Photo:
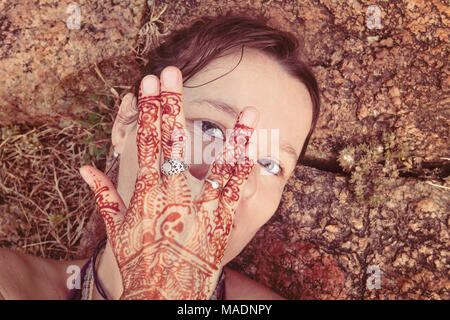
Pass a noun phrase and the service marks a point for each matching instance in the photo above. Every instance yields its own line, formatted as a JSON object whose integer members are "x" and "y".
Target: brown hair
{"x": 191, "y": 49}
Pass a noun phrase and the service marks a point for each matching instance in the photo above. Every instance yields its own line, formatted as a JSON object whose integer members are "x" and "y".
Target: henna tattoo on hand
{"x": 170, "y": 243}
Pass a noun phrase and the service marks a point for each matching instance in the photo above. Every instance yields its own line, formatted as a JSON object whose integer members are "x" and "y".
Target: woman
{"x": 222, "y": 73}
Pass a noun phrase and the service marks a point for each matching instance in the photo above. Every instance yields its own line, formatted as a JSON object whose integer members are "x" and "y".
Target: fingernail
{"x": 248, "y": 117}
{"x": 86, "y": 176}
{"x": 150, "y": 85}
{"x": 170, "y": 78}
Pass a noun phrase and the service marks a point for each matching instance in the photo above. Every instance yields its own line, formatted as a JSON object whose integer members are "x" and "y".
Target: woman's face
{"x": 284, "y": 107}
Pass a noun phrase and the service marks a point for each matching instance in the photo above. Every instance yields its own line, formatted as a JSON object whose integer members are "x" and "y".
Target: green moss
{"x": 55, "y": 218}
{"x": 374, "y": 167}
{"x": 98, "y": 121}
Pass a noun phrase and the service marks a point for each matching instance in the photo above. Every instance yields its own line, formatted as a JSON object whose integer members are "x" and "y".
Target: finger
{"x": 148, "y": 135}
{"x": 127, "y": 109}
{"x": 110, "y": 204}
{"x": 231, "y": 193}
{"x": 228, "y": 200}
{"x": 233, "y": 153}
{"x": 172, "y": 116}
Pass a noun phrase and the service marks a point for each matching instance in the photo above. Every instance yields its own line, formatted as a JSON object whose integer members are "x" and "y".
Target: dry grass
{"x": 44, "y": 202}
{"x": 150, "y": 32}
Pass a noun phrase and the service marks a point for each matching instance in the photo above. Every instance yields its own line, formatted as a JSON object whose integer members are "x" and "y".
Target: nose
{"x": 251, "y": 185}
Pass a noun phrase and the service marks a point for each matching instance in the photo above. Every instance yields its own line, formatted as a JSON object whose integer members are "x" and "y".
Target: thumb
{"x": 110, "y": 204}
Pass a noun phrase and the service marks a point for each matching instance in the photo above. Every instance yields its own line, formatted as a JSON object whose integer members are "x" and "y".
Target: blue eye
{"x": 212, "y": 130}
{"x": 270, "y": 166}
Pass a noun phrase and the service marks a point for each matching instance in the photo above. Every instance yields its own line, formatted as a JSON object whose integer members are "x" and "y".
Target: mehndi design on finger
{"x": 226, "y": 163}
{"x": 147, "y": 136}
{"x": 172, "y": 129}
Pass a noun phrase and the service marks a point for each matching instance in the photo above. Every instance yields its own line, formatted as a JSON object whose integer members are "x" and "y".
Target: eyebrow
{"x": 219, "y": 105}
{"x": 232, "y": 111}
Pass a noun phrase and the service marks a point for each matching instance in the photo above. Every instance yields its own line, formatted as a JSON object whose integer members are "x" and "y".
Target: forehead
{"x": 259, "y": 81}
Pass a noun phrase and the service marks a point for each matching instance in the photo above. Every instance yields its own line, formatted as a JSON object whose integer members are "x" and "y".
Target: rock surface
{"x": 43, "y": 43}
{"x": 322, "y": 244}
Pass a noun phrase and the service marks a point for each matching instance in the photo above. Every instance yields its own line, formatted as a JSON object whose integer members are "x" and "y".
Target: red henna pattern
{"x": 170, "y": 244}
{"x": 172, "y": 129}
{"x": 108, "y": 209}
{"x": 232, "y": 155}
{"x": 147, "y": 137}
{"x": 228, "y": 163}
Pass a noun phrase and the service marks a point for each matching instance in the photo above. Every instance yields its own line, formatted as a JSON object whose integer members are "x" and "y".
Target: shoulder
{"x": 21, "y": 273}
{"x": 24, "y": 276}
{"x": 240, "y": 287}
{"x": 14, "y": 271}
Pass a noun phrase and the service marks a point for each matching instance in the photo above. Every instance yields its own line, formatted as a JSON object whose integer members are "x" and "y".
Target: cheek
{"x": 251, "y": 215}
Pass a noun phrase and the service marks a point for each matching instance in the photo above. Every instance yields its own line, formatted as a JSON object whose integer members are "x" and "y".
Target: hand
{"x": 170, "y": 242}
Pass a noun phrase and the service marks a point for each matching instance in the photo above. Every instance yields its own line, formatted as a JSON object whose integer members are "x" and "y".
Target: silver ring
{"x": 172, "y": 167}
{"x": 214, "y": 184}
